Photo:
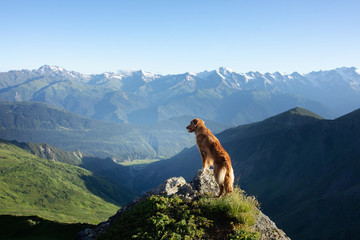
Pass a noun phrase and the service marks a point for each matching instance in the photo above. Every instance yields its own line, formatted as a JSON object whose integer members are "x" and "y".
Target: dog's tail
{"x": 229, "y": 179}
{"x": 225, "y": 178}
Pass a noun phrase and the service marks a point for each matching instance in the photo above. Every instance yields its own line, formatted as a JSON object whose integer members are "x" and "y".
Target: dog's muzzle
{"x": 190, "y": 129}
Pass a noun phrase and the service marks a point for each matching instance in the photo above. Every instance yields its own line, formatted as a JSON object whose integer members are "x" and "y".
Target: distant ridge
{"x": 294, "y": 114}
{"x": 304, "y": 112}
{"x": 38, "y": 115}
{"x": 293, "y": 117}
{"x": 355, "y": 115}
{"x": 42, "y": 123}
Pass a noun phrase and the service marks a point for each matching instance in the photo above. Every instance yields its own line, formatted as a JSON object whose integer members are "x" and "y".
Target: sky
{"x": 173, "y": 37}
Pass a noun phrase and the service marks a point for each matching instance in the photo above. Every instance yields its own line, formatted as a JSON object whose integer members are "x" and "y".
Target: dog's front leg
{"x": 204, "y": 160}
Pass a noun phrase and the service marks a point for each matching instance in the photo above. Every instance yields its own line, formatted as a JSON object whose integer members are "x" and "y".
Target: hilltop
{"x": 180, "y": 210}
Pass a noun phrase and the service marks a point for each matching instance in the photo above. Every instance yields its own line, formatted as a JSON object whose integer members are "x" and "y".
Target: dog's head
{"x": 195, "y": 123}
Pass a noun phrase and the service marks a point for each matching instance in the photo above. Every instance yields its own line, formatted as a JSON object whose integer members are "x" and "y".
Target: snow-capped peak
{"x": 347, "y": 71}
{"x": 111, "y": 75}
{"x": 225, "y": 70}
{"x": 282, "y": 74}
{"x": 146, "y": 76}
{"x": 48, "y": 68}
{"x": 220, "y": 74}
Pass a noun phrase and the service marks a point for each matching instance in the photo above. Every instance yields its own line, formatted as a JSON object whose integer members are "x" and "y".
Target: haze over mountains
{"x": 39, "y": 122}
{"x": 220, "y": 95}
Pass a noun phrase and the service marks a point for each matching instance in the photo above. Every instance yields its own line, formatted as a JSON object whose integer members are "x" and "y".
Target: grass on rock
{"x": 160, "y": 217}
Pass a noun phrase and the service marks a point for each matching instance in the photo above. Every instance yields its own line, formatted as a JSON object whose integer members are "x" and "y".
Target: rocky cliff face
{"x": 202, "y": 183}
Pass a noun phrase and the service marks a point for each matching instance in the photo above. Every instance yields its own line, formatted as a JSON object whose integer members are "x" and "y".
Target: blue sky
{"x": 169, "y": 37}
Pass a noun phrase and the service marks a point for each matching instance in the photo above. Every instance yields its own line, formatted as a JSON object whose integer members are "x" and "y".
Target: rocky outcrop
{"x": 202, "y": 183}
{"x": 268, "y": 229}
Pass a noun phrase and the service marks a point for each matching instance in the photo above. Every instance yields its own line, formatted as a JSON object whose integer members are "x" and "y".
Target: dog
{"x": 213, "y": 154}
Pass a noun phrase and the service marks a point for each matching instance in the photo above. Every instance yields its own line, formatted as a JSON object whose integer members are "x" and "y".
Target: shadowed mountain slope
{"x": 302, "y": 168}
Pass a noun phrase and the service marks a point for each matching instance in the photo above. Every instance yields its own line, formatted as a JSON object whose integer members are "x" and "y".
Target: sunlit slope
{"x": 30, "y": 185}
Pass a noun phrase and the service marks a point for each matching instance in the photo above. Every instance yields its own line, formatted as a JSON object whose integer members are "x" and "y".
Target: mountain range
{"x": 220, "y": 95}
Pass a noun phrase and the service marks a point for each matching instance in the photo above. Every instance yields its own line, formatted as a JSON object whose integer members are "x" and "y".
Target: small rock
{"x": 169, "y": 187}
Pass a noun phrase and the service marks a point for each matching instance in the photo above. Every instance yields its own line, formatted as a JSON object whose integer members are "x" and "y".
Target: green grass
{"x": 36, "y": 228}
{"x": 159, "y": 217}
{"x": 30, "y": 185}
{"x": 236, "y": 207}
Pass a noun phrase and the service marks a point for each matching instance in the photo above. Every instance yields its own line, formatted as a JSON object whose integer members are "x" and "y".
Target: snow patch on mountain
{"x": 47, "y": 69}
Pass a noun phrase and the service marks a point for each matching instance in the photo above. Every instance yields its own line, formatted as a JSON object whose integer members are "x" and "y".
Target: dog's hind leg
{"x": 229, "y": 180}
{"x": 221, "y": 191}
{"x": 219, "y": 174}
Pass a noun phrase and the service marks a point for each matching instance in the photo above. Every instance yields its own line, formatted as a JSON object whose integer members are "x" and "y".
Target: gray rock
{"x": 169, "y": 187}
{"x": 268, "y": 229}
{"x": 204, "y": 182}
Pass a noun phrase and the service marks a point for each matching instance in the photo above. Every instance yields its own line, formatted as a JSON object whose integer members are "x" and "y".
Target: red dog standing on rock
{"x": 213, "y": 154}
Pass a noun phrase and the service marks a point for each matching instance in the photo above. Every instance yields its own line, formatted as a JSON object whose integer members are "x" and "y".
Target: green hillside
{"x": 303, "y": 170}
{"x": 30, "y": 185}
{"x": 47, "y": 151}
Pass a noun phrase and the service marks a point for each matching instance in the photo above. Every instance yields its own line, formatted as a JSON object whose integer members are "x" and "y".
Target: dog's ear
{"x": 195, "y": 121}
